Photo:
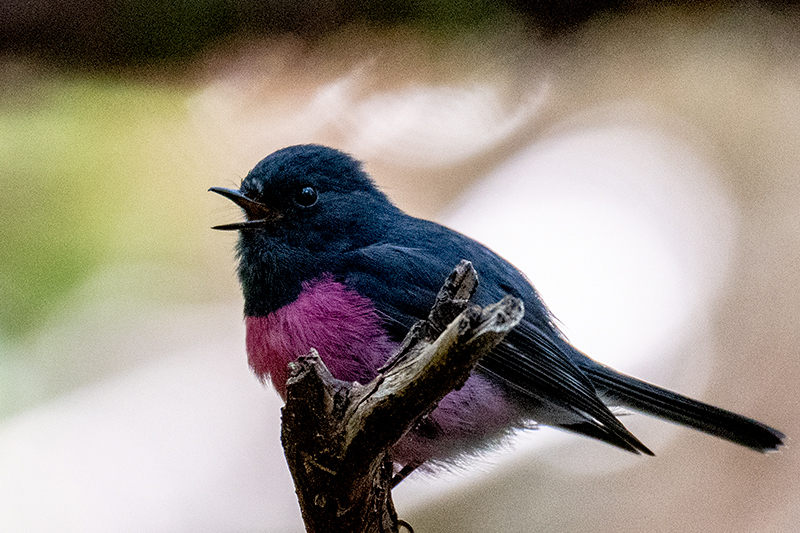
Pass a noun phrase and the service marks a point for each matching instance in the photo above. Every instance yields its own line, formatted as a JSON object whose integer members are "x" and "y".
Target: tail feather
{"x": 641, "y": 396}
{"x": 632, "y": 445}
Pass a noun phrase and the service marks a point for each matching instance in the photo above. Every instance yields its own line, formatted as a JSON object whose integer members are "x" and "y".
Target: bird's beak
{"x": 257, "y": 213}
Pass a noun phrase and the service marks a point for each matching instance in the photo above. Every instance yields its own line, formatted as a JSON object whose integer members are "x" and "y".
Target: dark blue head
{"x": 305, "y": 206}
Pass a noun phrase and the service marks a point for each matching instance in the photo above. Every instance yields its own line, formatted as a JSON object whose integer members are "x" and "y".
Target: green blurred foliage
{"x": 108, "y": 34}
{"x": 71, "y": 153}
{"x": 172, "y": 29}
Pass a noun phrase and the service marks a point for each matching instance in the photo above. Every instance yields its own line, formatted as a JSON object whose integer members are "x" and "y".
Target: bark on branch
{"x": 336, "y": 435}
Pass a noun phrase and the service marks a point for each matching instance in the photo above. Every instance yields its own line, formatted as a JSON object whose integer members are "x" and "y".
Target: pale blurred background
{"x": 640, "y": 162}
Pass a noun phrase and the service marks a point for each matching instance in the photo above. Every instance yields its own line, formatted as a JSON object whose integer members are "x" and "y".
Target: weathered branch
{"x": 337, "y": 435}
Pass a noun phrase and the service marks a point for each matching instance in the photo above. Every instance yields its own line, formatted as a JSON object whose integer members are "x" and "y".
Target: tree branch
{"x": 336, "y": 435}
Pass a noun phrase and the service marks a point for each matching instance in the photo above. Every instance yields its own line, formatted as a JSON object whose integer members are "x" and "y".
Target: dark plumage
{"x": 327, "y": 261}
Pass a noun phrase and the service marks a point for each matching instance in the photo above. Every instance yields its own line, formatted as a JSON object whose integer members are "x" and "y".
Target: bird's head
{"x": 304, "y": 207}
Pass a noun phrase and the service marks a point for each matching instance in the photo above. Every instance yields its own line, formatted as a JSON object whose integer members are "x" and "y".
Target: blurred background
{"x": 639, "y": 161}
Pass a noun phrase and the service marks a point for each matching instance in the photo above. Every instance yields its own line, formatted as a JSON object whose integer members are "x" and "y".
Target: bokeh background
{"x": 639, "y": 161}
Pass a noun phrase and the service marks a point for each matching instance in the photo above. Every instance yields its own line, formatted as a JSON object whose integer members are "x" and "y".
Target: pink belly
{"x": 345, "y": 329}
{"x": 340, "y": 324}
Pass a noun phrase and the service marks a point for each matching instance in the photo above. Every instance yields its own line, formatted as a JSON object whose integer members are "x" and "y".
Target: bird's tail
{"x": 632, "y": 393}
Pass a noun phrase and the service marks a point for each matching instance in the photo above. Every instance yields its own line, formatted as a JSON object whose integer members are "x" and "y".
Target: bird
{"x": 327, "y": 261}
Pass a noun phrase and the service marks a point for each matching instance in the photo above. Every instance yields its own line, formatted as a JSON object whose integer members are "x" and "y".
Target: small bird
{"x": 327, "y": 261}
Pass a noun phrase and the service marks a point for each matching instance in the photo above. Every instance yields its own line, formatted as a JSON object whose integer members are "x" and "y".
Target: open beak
{"x": 257, "y": 213}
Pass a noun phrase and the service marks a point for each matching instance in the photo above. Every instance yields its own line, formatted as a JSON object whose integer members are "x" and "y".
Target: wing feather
{"x": 534, "y": 364}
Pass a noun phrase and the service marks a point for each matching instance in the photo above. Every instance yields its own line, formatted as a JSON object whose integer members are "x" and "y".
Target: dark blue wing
{"x": 534, "y": 365}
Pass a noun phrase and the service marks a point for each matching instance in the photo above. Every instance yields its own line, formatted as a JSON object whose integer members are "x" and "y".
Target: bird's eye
{"x": 306, "y": 197}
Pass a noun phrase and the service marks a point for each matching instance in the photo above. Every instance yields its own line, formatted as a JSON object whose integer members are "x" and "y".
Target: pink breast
{"x": 348, "y": 334}
{"x": 340, "y": 324}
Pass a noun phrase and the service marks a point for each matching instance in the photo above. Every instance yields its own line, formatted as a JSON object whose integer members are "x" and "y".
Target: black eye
{"x": 306, "y": 197}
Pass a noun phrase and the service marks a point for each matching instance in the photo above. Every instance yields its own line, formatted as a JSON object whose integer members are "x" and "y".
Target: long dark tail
{"x": 635, "y": 394}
